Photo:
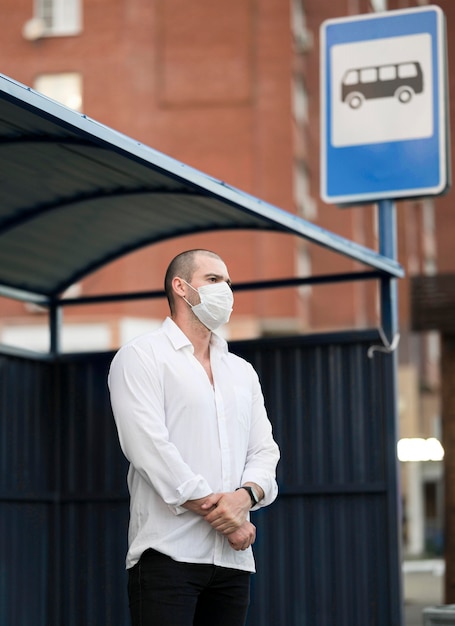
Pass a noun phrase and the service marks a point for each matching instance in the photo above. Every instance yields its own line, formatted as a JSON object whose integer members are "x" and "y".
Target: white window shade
{"x": 61, "y": 17}
{"x": 66, "y": 88}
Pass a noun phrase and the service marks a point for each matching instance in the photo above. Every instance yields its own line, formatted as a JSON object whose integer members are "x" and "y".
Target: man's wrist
{"x": 254, "y": 496}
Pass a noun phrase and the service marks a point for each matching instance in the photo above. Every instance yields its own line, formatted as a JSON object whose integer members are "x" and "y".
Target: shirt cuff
{"x": 266, "y": 482}
{"x": 192, "y": 489}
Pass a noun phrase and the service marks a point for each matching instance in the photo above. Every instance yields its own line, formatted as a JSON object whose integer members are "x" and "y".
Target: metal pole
{"x": 388, "y": 248}
{"x": 55, "y": 325}
{"x": 389, "y": 322}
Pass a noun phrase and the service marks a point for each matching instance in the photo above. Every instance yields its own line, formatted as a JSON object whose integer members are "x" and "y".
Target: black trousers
{"x": 164, "y": 592}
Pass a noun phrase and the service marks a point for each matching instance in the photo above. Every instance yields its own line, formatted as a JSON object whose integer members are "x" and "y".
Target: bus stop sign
{"x": 384, "y": 108}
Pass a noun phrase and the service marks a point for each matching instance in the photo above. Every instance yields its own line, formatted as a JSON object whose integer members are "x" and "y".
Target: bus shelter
{"x": 76, "y": 195}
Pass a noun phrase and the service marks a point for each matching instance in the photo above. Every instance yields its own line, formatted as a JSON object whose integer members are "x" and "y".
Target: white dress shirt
{"x": 185, "y": 439}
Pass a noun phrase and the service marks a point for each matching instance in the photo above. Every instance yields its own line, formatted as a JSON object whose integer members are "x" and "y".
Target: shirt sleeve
{"x": 138, "y": 407}
{"x": 263, "y": 452}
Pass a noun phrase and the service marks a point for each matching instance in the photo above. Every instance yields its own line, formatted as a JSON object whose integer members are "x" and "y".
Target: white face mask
{"x": 215, "y": 307}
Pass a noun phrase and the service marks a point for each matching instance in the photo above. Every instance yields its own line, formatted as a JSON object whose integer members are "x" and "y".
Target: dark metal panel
{"x": 322, "y": 560}
{"x": 89, "y": 448}
{"x": 63, "y": 496}
{"x": 326, "y": 551}
{"x": 26, "y": 436}
{"x": 92, "y": 563}
{"x": 26, "y": 490}
{"x": 94, "y": 500}
{"x": 25, "y": 562}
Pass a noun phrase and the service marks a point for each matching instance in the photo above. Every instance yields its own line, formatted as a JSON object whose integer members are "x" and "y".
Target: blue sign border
{"x": 396, "y": 169}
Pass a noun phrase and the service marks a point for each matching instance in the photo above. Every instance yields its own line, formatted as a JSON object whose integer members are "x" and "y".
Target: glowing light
{"x": 419, "y": 449}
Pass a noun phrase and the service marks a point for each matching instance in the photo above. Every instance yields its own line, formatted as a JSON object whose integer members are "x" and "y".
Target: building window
{"x": 60, "y": 17}
{"x": 307, "y": 207}
{"x": 379, "y": 5}
{"x": 300, "y": 101}
{"x": 303, "y": 38}
{"x": 65, "y": 88}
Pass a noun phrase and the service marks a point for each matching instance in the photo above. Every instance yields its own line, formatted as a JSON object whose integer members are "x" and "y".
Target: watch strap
{"x": 254, "y": 498}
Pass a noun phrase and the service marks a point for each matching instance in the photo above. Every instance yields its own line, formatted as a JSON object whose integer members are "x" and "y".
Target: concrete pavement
{"x": 422, "y": 587}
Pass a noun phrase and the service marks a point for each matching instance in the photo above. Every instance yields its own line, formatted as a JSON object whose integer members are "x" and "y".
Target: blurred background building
{"x": 232, "y": 89}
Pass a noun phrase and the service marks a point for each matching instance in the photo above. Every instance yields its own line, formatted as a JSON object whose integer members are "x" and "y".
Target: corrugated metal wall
{"x": 26, "y": 490}
{"x": 326, "y": 550}
{"x": 330, "y": 551}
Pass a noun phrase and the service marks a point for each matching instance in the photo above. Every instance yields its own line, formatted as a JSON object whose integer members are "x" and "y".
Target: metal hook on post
{"x": 386, "y": 346}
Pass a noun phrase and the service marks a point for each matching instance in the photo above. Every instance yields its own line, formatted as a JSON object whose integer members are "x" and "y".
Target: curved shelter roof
{"x": 75, "y": 194}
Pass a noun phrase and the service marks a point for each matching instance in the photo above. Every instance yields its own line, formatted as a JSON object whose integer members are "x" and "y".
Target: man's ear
{"x": 178, "y": 286}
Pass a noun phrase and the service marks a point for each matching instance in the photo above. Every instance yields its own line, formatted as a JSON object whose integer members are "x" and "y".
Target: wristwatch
{"x": 253, "y": 494}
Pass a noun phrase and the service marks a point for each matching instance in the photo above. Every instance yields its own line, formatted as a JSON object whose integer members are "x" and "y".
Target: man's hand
{"x": 243, "y": 537}
{"x": 227, "y": 512}
{"x": 196, "y": 505}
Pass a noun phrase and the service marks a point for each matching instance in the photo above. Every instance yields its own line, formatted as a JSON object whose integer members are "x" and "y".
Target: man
{"x": 191, "y": 421}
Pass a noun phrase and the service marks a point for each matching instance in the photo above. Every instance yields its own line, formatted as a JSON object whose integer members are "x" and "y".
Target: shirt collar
{"x": 179, "y": 340}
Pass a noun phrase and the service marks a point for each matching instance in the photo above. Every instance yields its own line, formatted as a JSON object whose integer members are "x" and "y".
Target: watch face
{"x": 254, "y": 495}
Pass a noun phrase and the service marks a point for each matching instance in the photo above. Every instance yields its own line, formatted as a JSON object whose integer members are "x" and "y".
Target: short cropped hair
{"x": 183, "y": 265}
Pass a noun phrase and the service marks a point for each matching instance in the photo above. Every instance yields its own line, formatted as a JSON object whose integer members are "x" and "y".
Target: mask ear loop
{"x": 189, "y": 303}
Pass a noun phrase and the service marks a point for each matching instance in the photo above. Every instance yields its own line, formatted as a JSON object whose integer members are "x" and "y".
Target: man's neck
{"x": 197, "y": 333}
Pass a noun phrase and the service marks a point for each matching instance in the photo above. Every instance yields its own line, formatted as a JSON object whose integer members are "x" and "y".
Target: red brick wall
{"x": 210, "y": 88}
{"x": 213, "y": 89}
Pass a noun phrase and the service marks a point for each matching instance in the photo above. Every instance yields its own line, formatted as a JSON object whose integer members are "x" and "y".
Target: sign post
{"x": 384, "y": 137}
